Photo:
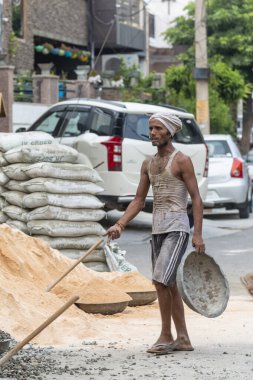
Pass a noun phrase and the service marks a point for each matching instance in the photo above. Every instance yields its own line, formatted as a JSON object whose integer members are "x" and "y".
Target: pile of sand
{"x": 129, "y": 282}
{"x": 27, "y": 267}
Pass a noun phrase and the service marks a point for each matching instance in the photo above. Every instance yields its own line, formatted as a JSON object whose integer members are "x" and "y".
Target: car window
{"x": 218, "y": 148}
{"x": 75, "y": 123}
{"x": 50, "y": 123}
{"x": 137, "y": 127}
{"x": 190, "y": 133}
{"x": 101, "y": 122}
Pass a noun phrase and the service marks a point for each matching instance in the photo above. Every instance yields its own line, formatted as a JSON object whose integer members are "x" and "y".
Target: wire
{"x": 122, "y": 17}
{"x": 137, "y": 12}
{"x": 104, "y": 42}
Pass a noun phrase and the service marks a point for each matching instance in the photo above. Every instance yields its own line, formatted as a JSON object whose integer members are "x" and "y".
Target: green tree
{"x": 141, "y": 88}
{"x": 181, "y": 93}
{"x": 230, "y": 40}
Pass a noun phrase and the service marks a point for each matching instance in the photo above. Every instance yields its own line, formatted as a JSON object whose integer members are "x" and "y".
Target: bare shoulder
{"x": 146, "y": 164}
{"x": 182, "y": 166}
{"x": 183, "y": 159}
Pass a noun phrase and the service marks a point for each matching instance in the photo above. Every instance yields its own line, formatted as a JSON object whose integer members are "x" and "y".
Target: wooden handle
{"x": 75, "y": 264}
{"x": 18, "y": 346}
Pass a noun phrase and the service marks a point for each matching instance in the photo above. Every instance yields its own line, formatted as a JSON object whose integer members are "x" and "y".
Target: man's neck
{"x": 165, "y": 150}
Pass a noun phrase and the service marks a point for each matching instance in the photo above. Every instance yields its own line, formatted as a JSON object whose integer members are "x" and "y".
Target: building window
{"x": 128, "y": 12}
{"x": 17, "y": 18}
{"x": 151, "y": 19}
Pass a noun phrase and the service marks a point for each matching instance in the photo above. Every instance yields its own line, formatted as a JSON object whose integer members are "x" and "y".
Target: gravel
{"x": 35, "y": 363}
{"x": 4, "y": 335}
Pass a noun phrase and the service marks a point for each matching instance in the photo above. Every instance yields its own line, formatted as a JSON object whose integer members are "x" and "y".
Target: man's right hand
{"x": 114, "y": 232}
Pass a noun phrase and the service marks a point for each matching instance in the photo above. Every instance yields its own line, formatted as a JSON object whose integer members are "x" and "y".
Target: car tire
{"x": 250, "y": 203}
{"x": 245, "y": 210}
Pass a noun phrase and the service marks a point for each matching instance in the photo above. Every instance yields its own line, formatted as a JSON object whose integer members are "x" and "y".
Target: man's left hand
{"x": 198, "y": 244}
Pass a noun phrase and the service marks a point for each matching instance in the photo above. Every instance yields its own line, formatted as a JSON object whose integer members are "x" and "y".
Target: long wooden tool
{"x": 74, "y": 265}
{"x": 15, "y": 349}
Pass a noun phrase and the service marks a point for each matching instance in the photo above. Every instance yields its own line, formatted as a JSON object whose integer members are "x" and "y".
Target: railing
{"x": 62, "y": 90}
{"x": 23, "y": 90}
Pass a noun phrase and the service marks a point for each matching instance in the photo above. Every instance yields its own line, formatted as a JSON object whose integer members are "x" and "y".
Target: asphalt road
{"x": 228, "y": 239}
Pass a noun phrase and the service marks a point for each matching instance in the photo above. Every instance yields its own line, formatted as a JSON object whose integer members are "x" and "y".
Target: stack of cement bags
{"x": 50, "y": 196}
{"x": 8, "y": 141}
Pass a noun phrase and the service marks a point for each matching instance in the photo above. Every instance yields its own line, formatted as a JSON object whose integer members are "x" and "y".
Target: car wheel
{"x": 250, "y": 203}
{"x": 244, "y": 211}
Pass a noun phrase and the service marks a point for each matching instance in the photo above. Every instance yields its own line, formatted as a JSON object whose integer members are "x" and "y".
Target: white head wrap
{"x": 170, "y": 121}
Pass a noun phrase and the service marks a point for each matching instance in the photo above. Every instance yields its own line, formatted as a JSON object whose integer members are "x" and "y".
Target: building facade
{"x": 36, "y": 32}
{"x": 120, "y": 27}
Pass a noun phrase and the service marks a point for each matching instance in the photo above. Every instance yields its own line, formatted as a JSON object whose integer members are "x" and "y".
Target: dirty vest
{"x": 170, "y": 201}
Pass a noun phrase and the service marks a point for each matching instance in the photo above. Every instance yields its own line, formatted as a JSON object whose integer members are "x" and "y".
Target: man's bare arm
{"x": 134, "y": 207}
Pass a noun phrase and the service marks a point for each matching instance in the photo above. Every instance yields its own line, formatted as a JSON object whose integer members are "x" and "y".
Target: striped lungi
{"x": 167, "y": 252}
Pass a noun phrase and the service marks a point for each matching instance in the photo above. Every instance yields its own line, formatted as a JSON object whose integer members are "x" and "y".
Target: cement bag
{"x": 63, "y": 170}
{"x": 12, "y": 140}
{"x": 119, "y": 257}
{"x": 16, "y": 171}
{"x": 97, "y": 266}
{"x": 63, "y": 213}
{"x": 15, "y": 185}
{"x": 14, "y": 197}
{"x": 39, "y": 153}
{"x": 97, "y": 255}
{"x": 3, "y": 202}
{"x": 61, "y": 186}
{"x": 83, "y": 243}
{"x": 3, "y": 177}
{"x": 38, "y": 199}
{"x": 2, "y": 189}
{"x": 3, "y": 161}
{"x": 3, "y": 217}
{"x": 56, "y": 228}
{"x": 18, "y": 225}
{"x": 16, "y": 213}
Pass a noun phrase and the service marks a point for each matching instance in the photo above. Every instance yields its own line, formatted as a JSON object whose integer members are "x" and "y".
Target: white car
{"x": 115, "y": 138}
{"x": 229, "y": 184}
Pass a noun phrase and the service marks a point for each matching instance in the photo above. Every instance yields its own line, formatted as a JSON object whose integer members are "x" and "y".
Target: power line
{"x": 121, "y": 16}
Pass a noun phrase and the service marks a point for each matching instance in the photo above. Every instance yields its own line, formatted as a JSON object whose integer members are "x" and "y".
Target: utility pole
{"x": 201, "y": 71}
{"x": 1, "y": 26}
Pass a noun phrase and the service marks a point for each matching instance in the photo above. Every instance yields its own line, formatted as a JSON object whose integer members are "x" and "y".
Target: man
{"x": 172, "y": 177}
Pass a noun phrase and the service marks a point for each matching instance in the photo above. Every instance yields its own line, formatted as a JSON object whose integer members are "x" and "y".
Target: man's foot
{"x": 161, "y": 349}
{"x": 163, "y": 343}
{"x": 182, "y": 345}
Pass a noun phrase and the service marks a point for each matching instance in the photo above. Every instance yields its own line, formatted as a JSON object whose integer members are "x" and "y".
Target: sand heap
{"x": 129, "y": 282}
{"x": 27, "y": 266}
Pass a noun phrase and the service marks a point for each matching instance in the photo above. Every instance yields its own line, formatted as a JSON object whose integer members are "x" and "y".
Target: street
{"x": 228, "y": 239}
{"x": 222, "y": 345}
{"x": 114, "y": 346}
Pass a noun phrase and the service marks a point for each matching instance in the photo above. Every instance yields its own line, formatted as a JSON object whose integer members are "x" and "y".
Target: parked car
{"x": 229, "y": 184}
{"x": 115, "y": 138}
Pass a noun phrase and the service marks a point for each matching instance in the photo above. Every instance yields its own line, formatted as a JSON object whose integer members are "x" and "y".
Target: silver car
{"x": 229, "y": 184}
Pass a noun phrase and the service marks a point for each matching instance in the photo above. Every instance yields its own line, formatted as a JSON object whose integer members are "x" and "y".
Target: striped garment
{"x": 167, "y": 252}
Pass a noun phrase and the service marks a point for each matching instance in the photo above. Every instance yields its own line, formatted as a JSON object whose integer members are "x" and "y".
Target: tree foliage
{"x": 181, "y": 93}
{"x": 229, "y": 32}
{"x": 230, "y": 47}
